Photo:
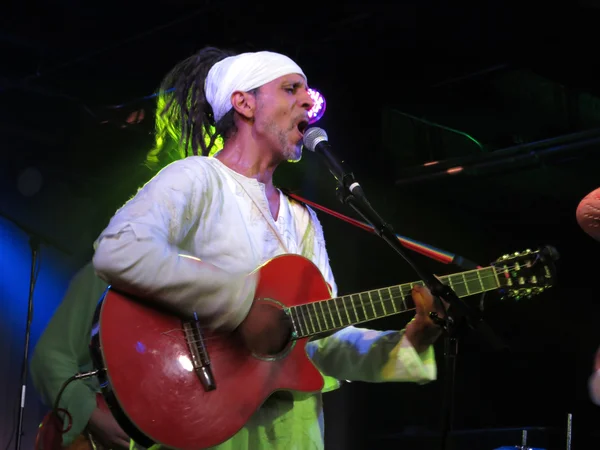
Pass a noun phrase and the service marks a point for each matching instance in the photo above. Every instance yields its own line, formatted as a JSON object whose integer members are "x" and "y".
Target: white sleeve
{"x": 139, "y": 253}
{"x": 362, "y": 354}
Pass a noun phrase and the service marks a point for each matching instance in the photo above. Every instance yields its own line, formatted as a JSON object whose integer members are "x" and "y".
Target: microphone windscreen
{"x": 588, "y": 214}
{"x": 312, "y": 137}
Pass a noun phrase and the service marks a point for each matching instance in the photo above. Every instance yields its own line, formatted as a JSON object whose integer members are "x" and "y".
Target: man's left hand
{"x": 422, "y": 331}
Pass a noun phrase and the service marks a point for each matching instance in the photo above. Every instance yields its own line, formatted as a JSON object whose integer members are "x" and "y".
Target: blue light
{"x": 53, "y": 277}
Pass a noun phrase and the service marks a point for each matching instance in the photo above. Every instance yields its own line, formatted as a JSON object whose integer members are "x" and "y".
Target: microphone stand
{"x": 34, "y": 243}
{"x": 349, "y": 192}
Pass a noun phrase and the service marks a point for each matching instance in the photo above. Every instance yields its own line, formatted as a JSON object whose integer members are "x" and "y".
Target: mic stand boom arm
{"x": 350, "y": 193}
{"x": 458, "y": 309}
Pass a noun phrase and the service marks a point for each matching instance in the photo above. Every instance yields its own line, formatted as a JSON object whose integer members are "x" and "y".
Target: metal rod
{"x": 569, "y": 430}
{"x": 485, "y": 165}
{"x": 443, "y": 168}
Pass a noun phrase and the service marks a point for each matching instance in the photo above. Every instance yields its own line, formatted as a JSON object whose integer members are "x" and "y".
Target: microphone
{"x": 588, "y": 214}
{"x": 315, "y": 139}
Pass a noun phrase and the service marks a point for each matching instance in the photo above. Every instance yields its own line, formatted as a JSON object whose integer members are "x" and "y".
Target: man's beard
{"x": 293, "y": 154}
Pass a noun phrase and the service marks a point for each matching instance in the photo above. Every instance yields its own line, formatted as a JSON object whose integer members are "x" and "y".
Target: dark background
{"x": 405, "y": 84}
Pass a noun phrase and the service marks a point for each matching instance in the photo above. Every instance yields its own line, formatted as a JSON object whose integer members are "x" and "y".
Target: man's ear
{"x": 244, "y": 103}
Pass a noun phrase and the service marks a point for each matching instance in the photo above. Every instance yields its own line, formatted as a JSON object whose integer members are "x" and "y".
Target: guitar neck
{"x": 311, "y": 319}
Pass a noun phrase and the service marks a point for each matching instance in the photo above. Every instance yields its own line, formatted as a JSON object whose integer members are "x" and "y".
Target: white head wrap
{"x": 244, "y": 72}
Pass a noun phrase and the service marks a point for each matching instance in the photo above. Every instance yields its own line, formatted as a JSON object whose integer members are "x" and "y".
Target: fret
{"x": 480, "y": 280}
{"x": 310, "y": 320}
{"x": 490, "y": 279}
{"x": 405, "y": 293}
{"x": 392, "y": 299}
{"x": 324, "y": 316}
{"x": 472, "y": 281}
{"x": 457, "y": 285}
{"x": 466, "y": 284}
{"x": 294, "y": 322}
{"x": 354, "y": 308}
{"x": 301, "y": 329}
{"x": 345, "y": 310}
{"x": 396, "y": 294}
{"x": 364, "y": 300}
{"x": 382, "y": 300}
{"x": 337, "y": 310}
{"x": 377, "y": 304}
{"x": 330, "y": 314}
{"x": 361, "y": 314}
{"x": 317, "y": 317}
{"x": 372, "y": 305}
{"x": 302, "y": 313}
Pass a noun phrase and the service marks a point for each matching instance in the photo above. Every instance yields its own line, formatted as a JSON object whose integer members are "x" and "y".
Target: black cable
{"x": 56, "y": 409}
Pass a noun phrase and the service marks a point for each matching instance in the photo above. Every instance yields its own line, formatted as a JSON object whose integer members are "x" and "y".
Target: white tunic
{"x": 199, "y": 207}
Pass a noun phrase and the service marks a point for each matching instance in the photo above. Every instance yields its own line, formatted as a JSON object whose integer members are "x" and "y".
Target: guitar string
{"x": 216, "y": 335}
{"x": 223, "y": 345}
{"x": 362, "y": 307}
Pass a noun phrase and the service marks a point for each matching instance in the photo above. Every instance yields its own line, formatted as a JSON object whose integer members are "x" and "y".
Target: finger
{"x": 122, "y": 435}
{"x": 418, "y": 298}
{"x": 425, "y": 302}
{"x": 425, "y": 292}
{"x": 435, "y": 302}
{"x": 122, "y": 443}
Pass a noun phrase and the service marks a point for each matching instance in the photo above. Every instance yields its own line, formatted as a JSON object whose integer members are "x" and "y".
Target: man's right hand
{"x": 105, "y": 429}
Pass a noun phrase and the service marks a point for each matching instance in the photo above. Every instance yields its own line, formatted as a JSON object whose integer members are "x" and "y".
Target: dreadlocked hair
{"x": 184, "y": 119}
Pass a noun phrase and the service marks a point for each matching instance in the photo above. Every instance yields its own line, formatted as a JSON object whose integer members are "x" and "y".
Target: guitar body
{"x": 149, "y": 381}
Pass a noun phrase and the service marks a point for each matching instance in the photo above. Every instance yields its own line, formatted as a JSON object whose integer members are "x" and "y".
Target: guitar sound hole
{"x": 276, "y": 336}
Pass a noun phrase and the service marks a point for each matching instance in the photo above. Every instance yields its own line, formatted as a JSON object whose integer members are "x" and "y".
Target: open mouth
{"x": 302, "y": 126}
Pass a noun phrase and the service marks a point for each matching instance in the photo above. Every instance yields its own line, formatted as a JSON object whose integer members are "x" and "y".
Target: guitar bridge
{"x": 199, "y": 354}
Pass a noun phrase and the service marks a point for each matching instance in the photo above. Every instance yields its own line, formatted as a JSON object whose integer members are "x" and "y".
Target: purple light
{"x": 318, "y": 109}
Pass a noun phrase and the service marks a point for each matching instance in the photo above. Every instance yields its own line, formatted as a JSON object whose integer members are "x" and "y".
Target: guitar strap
{"x": 335, "y": 214}
{"x": 416, "y": 246}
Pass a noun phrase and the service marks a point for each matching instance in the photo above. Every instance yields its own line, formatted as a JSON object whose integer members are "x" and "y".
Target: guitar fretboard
{"x": 328, "y": 315}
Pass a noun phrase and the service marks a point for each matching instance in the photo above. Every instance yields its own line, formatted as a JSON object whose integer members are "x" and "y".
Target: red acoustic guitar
{"x": 176, "y": 384}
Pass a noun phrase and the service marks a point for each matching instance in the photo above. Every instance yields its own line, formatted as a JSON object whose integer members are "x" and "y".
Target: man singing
{"x": 225, "y": 211}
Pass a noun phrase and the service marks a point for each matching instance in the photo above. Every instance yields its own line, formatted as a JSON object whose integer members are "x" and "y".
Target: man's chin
{"x": 296, "y": 156}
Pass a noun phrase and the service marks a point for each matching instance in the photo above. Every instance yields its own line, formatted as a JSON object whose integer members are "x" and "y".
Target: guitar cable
{"x": 56, "y": 409}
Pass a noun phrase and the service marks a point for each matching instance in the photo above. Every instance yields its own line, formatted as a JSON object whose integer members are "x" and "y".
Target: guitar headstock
{"x": 528, "y": 273}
